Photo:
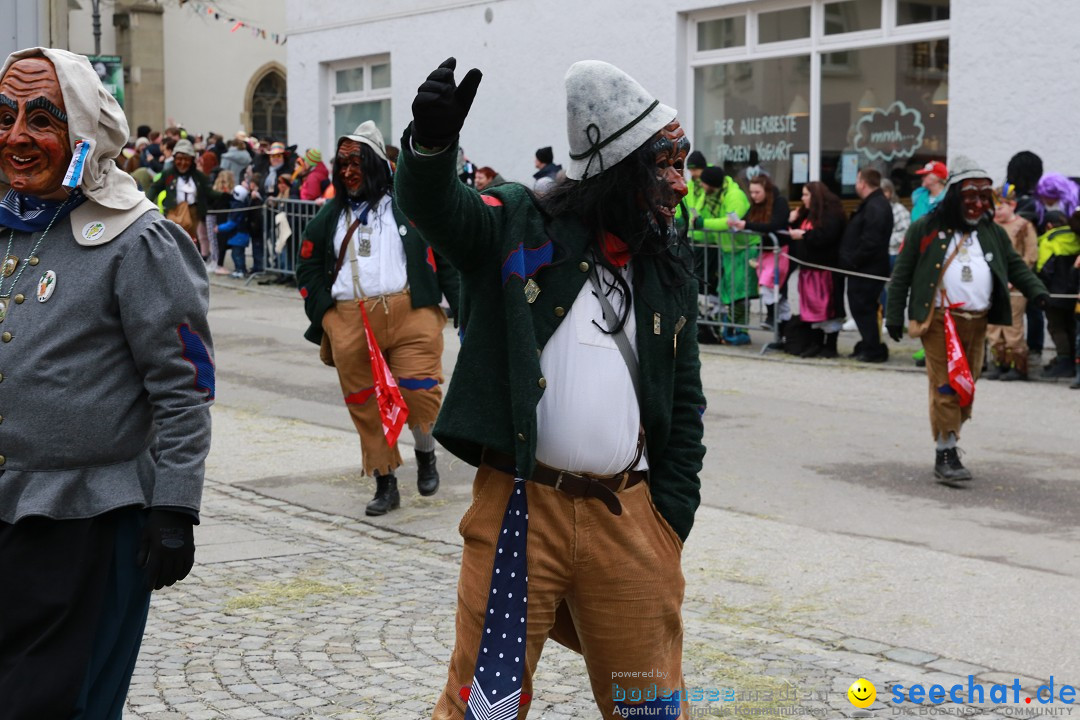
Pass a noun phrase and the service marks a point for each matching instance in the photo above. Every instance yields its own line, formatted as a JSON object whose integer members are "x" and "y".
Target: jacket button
{"x": 1, "y": 418}
{"x": 937, "y": 266}
{"x": 2, "y": 459}
{"x": 542, "y": 383}
{"x": 583, "y": 266}
{"x": 560, "y": 311}
{"x": 926, "y": 304}
{"x": 521, "y": 437}
{"x": 931, "y": 284}
{"x": 942, "y": 247}
{"x": 34, "y": 260}
{"x": 6, "y": 337}
{"x": 1, "y": 377}
{"x": 19, "y": 299}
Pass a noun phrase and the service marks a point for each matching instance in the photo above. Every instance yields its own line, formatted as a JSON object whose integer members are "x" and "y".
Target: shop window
{"x": 852, "y": 16}
{"x": 784, "y": 25}
{"x": 758, "y": 106}
{"x": 360, "y": 92}
{"x": 909, "y": 12}
{"x": 720, "y": 34}
{"x": 889, "y": 113}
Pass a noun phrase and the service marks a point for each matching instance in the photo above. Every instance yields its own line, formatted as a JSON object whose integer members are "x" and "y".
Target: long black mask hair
{"x": 625, "y": 200}
{"x": 376, "y": 182}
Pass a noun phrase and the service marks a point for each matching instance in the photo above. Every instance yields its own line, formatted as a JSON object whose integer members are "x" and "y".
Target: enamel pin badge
{"x": 532, "y": 291}
{"x": 46, "y": 286}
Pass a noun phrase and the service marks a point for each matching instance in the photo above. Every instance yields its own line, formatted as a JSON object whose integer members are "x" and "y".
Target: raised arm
{"x": 452, "y": 217}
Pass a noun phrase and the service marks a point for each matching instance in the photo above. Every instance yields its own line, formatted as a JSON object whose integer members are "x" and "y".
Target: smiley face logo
{"x": 862, "y": 693}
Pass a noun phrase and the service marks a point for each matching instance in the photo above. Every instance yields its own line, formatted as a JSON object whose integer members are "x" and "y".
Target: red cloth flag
{"x": 960, "y": 377}
{"x": 392, "y": 406}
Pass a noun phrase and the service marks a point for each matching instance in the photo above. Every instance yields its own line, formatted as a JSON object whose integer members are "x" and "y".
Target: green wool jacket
{"x": 430, "y": 276}
{"x": 499, "y": 241}
{"x": 919, "y": 264}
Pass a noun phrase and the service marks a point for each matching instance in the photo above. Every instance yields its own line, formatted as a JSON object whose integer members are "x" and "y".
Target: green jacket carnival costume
{"x": 500, "y": 242}
{"x": 430, "y": 277}
{"x": 918, "y": 267}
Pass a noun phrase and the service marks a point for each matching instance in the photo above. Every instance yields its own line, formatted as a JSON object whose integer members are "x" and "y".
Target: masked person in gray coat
{"x": 106, "y": 382}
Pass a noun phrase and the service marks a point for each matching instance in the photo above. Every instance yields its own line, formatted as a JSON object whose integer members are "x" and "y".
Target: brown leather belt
{"x": 604, "y": 488}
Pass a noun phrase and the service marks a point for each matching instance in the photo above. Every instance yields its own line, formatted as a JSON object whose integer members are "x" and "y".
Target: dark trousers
{"x": 1035, "y": 331}
{"x": 72, "y": 615}
{"x": 1061, "y": 321}
{"x": 863, "y": 297}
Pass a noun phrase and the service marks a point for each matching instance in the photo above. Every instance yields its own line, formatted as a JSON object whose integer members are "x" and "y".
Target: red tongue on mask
{"x": 615, "y": 250}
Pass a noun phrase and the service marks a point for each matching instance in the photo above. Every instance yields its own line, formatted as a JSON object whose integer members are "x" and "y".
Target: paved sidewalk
{"x": 292, "y": 612}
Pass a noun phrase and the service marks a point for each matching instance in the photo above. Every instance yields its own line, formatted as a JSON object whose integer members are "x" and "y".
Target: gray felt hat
{"x": 964, "y": 168}
{"x": 608, "y": 116}
{"x": 368, "y": 134}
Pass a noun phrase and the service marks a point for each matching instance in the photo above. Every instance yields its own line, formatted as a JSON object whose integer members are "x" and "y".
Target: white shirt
{"x": 383, "y": 270}
{"x": 969, "y": 263}
{"x": 588, "y": 417}
{"x": 185, "y": 190}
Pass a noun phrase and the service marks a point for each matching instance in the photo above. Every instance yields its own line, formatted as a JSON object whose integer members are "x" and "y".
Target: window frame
{"x": 817, "y": 45}
{"x": 336, "y": 99}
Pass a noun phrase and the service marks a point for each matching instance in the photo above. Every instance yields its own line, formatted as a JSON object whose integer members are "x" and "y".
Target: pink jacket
{"x": 312, "y": 187}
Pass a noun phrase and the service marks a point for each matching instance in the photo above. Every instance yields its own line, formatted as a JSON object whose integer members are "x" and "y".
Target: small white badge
{"x": 46, "y": 286}
{"x": 401, "y": 230}
{"x": 989, "y": 257}
{"x": 93, "y": 230}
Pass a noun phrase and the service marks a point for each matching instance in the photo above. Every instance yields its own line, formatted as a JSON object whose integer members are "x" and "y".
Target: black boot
{"x": 427, "y": 475}
{"x": 816, "y": 345}
{"x": 995, "y": 372}
{"x": 386, "y": 496}
{"x": 770, "y": 317}
{"x": 947, "y": 466}
{"x": 829, "y": 351}
{"x": 1075, "y": 385}
{"x": 1062, "y": 367}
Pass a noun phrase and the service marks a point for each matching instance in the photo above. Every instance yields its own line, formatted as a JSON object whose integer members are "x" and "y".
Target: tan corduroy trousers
{"x": 610, "y": 587}
{"x": 411, "y": 341}
{"x": 946, "y": 415}
{"x": 1007, "y": 343}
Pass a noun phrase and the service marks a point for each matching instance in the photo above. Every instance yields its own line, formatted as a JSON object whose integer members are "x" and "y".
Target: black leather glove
{"x": 167, "y": 548}
{"x": 895, "y": 332}
{"x": 440, "y": 106}
{"x": 1041, "y": 301}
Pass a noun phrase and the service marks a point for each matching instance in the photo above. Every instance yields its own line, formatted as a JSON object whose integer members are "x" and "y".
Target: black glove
{"x": 699, "y": 222}
{"x": 167, "y": 548}
{"x": 440, "y": 106}
{"x": 1041, "y": 301}
{"x": 895, "y": 332}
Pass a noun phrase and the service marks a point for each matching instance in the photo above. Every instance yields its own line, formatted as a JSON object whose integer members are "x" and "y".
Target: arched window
{"x": 269, "y": 115}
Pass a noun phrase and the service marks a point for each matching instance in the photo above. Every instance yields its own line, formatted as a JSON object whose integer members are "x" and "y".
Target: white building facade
{"x": 818, "y": 88}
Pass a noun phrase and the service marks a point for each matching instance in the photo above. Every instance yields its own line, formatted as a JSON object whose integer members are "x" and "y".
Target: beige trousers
{"x": 946, "y": 415}
{"x": 411, "y": 341}
{"x": 610, "y": 587}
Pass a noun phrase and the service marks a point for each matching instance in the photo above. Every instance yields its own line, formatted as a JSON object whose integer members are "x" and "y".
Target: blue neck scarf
{"x": 30, "y": 214}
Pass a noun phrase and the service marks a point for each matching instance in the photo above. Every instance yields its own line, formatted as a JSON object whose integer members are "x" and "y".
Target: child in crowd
{"x": 236, "y": 231}
{"x": 1008, "y": 348}
{"x": 225, "y": 182}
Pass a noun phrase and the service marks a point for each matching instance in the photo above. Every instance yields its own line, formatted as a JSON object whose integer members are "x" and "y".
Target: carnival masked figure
{"x": 956, "y": 259}
{"x": 360, "y": 255}
{"x": 107, "y": 381}
{"x": 577, "y": 394}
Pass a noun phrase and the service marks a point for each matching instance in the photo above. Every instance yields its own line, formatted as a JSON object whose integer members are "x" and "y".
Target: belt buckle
{"x": 559, "y": 478}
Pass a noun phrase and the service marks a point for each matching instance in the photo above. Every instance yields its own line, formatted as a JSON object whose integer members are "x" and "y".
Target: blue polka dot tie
{"x": 500, "y": 663}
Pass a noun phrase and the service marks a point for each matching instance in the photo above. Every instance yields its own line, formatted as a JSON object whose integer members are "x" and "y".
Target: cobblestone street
{"x": 810, "y": 565}
{"x": 347, "y": 620}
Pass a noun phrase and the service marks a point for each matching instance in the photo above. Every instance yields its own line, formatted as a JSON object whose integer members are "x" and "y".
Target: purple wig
{"x": 1055, "y": 187}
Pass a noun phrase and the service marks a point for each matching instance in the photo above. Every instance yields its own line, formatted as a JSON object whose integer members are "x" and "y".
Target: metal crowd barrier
{"x": 281, "y": 251}
{"x": 726, "y": 268}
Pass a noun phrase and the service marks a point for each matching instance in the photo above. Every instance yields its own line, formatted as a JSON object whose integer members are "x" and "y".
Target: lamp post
{"x": 96, "y": 14}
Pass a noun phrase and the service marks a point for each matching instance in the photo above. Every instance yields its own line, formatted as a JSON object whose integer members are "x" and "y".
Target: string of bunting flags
{"x": 237, "y": 25}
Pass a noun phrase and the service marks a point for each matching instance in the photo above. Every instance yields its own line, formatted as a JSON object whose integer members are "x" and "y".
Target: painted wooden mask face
{"x": 35, "y": 148}
{"x": 670, "y": 147}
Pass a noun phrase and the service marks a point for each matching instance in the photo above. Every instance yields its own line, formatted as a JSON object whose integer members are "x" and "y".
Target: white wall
{"x": 1014, "y": 83}
{"x": 1012, "y": 80}
{"x": 81, "y": 30}
{"x": 524, "y": 52}
{"x": 208, "y": 68}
